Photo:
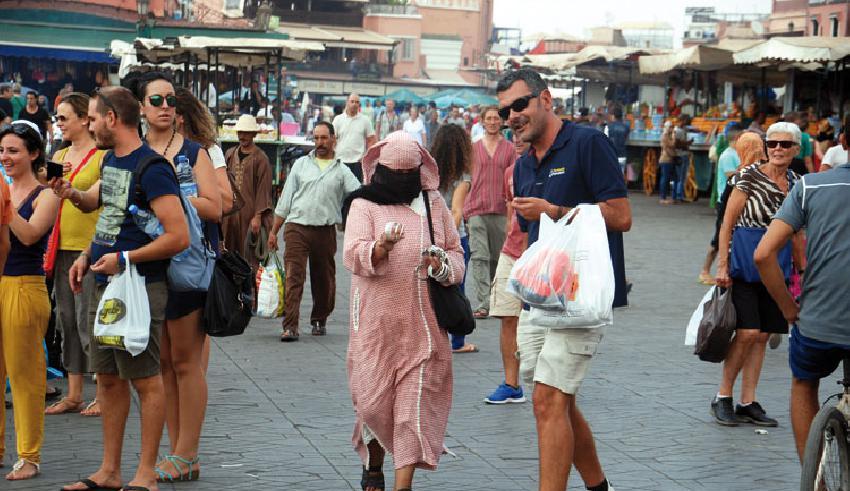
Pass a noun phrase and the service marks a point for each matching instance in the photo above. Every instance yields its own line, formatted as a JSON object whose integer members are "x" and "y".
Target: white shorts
{"x": 502, "y": 303}
{"x": 558, "y": 358}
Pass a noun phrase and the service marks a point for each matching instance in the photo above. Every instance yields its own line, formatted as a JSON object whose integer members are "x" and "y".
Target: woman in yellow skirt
{"x": 24, "y": 305}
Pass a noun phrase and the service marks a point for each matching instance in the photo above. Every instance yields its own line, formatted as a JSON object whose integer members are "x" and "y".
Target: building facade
{"x": 647, "y": 34}
{"x": 828, "y": 18}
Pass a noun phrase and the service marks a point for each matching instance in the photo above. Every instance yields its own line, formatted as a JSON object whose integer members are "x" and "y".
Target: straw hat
{"x": 399, "y": 151}
{"x": 247, "y": 123}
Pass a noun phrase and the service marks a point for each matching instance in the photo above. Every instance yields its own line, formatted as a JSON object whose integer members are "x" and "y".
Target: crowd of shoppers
{"x": 389, "y": 179}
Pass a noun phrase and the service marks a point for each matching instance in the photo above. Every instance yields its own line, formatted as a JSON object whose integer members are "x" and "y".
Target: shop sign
{"x": 365, "y": 88}
{"x": 321, "y": 86}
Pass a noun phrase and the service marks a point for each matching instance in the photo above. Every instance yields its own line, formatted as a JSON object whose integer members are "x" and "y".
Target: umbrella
{"x": 404, "y": 96}
{"x": 449, "y": 100}
{"x": 477, "y": 97}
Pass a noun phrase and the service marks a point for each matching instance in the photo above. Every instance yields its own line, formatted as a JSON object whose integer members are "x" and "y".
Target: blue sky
{"x": 575, "y": 16}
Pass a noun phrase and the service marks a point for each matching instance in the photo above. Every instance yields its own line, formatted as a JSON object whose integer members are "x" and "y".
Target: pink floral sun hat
{"x": 399, "y": 151}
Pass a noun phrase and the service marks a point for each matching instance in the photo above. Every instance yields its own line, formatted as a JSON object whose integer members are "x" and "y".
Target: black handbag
{"x": 230, "y": 298}
{"x": 451, "y": 307}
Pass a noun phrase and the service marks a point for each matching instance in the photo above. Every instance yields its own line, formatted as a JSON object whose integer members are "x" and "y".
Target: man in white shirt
{"x": 354, "y": 135}
{"x": 307, "y": 210}
{"x": 837, "y": 155}
{"x": 415, "y": 127}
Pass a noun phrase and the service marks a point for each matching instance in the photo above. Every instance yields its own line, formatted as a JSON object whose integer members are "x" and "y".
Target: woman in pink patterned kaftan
{"x": 399, "y": 360}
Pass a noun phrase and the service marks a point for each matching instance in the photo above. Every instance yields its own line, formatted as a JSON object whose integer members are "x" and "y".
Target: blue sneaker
{"x": 505, "y": 394}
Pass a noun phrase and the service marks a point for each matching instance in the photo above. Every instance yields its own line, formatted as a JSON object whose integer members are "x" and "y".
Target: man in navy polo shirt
{"x": 566, "y": 165}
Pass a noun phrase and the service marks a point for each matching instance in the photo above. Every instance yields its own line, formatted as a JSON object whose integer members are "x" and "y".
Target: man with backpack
{"x": 114, "y": 116}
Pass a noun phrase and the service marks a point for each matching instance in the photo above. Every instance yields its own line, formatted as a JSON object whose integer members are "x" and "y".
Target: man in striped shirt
{"x": 485, "y": 208}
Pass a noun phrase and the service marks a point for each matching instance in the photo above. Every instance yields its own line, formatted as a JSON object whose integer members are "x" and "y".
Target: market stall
{"x": 227, "y": 57}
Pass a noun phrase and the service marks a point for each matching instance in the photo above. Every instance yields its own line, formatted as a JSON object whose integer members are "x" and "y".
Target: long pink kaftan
{"x": 399, "y": 360}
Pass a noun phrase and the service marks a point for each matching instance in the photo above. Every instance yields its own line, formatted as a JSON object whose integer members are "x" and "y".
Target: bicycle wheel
{"x": 826, "y": 466}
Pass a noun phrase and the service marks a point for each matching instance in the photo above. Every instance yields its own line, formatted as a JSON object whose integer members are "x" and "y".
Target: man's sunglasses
{"x": 518, "y": 105}
{"x": 101, "y": 96}
{"x": 157, "y": 100}
{"x": 786, "y": 144}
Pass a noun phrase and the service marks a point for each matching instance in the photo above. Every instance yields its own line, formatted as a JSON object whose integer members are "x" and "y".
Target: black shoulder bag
{"x": 451, "y": 307}
{"x": 230, "y": 298}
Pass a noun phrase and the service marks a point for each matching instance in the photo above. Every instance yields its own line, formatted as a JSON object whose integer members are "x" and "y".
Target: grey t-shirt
{"x": 820, "y": 203}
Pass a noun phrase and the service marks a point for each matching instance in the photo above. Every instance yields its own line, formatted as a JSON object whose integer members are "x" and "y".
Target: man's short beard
{"x": 104, "y": 142}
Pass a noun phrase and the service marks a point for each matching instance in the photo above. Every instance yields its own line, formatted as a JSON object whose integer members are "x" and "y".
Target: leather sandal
{"x": 63, "y": 406}
{"x": 288, "y": 336}
{"x": 372, "y": 478}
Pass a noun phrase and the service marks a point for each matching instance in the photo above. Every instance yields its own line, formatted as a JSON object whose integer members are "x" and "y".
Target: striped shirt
{"x": 764, "y": 197}
{"x": 487, "y": 194}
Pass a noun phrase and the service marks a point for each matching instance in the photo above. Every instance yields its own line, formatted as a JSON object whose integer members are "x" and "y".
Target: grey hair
{"x": 784, "y": 127}
{"x": 531, "y": 78}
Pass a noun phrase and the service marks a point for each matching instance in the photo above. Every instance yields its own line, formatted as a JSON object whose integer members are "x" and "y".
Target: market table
{"x": 699, "y": 171}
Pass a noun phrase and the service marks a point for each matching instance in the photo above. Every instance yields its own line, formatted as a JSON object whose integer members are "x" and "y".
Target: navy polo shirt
{"x": 580, "y": 167}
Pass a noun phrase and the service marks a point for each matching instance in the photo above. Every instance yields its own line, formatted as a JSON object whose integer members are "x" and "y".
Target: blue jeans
{"x": 667, "y": 175}
{"x": 682, "y": 167}
{"x": 459, "y": 341}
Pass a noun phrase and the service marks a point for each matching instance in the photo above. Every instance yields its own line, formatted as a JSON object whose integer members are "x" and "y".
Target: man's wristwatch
{"x": 84, "y": 254}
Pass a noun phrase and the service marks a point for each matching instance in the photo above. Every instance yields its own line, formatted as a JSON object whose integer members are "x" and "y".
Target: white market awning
{"x": 338, "y": 37}
{"x": 812, "y": 49}
{"x": 231, "y": 51}
{"x": 695, "y": 57}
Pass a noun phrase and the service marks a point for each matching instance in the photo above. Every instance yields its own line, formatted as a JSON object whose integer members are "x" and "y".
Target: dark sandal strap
{"x": 372, "y": 478}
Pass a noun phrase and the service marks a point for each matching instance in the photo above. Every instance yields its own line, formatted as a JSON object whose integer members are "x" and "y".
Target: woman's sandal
{"x": 177, "y": 461}
{"x": 466, "y": 348}
{"x": 372, "y": 478}
{"x": 63, "y": 406}
{"x": 92, "y": 410}
{"x": 20, "y": 465}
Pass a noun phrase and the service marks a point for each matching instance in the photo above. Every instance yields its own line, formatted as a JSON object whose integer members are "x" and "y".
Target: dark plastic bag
{"x": 230, "y": 298}
{"x": 716, "y": 327}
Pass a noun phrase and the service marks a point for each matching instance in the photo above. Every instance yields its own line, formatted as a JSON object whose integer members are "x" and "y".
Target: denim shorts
{"x": 811, "y": 359}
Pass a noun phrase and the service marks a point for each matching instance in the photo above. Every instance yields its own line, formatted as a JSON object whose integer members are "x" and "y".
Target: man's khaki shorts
{"x": 122, "y": 363}
{"x": 502, "y": 303}
{"x": 558, "y": 358}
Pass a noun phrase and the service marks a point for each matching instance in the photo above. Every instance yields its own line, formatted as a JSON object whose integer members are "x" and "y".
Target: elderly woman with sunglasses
{"x": 758, "y": 192}
{"x": 24, "y": 304}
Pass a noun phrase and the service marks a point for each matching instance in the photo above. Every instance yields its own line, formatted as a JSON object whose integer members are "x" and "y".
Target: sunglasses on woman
{"x": 785, "y": 144}
{"x": 518, "y": 105}
{"x": 157, "y": 100}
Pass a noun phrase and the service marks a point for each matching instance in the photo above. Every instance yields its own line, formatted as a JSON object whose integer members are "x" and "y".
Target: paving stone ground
{"x": 280, "y": 417}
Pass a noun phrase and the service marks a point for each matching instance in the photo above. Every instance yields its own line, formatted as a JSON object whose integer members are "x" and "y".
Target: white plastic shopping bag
{"x": 543, "y": 277}
{"x": 270, "y": 294}
{"x": 696, "y": 317}
{"x": 123, "y": 315}
{"x": 590, "y": 299}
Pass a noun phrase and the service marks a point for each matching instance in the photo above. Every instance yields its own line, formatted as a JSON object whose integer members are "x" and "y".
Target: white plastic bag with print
{"x": 693, "y": 325}
{"x": 543, "y": 276}
{"x": 123, "y": 315}
{"x": 592, "y": 295}
{"x": 270, "y": 282}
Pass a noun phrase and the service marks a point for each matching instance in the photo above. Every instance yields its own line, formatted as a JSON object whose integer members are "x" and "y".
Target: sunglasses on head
{"x": 100, "y": 95}
{"x": 786, "y": 144}
{"x": 157, "y": 100}
{"x": 518, "y": 105}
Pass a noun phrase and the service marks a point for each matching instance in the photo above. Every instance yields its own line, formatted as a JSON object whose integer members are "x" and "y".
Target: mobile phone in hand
{"x": 54, "y": 170}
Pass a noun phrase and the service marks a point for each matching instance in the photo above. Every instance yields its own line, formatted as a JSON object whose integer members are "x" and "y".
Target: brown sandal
{"x": 92, "y": 410}
{"x": 63, "y": 406}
